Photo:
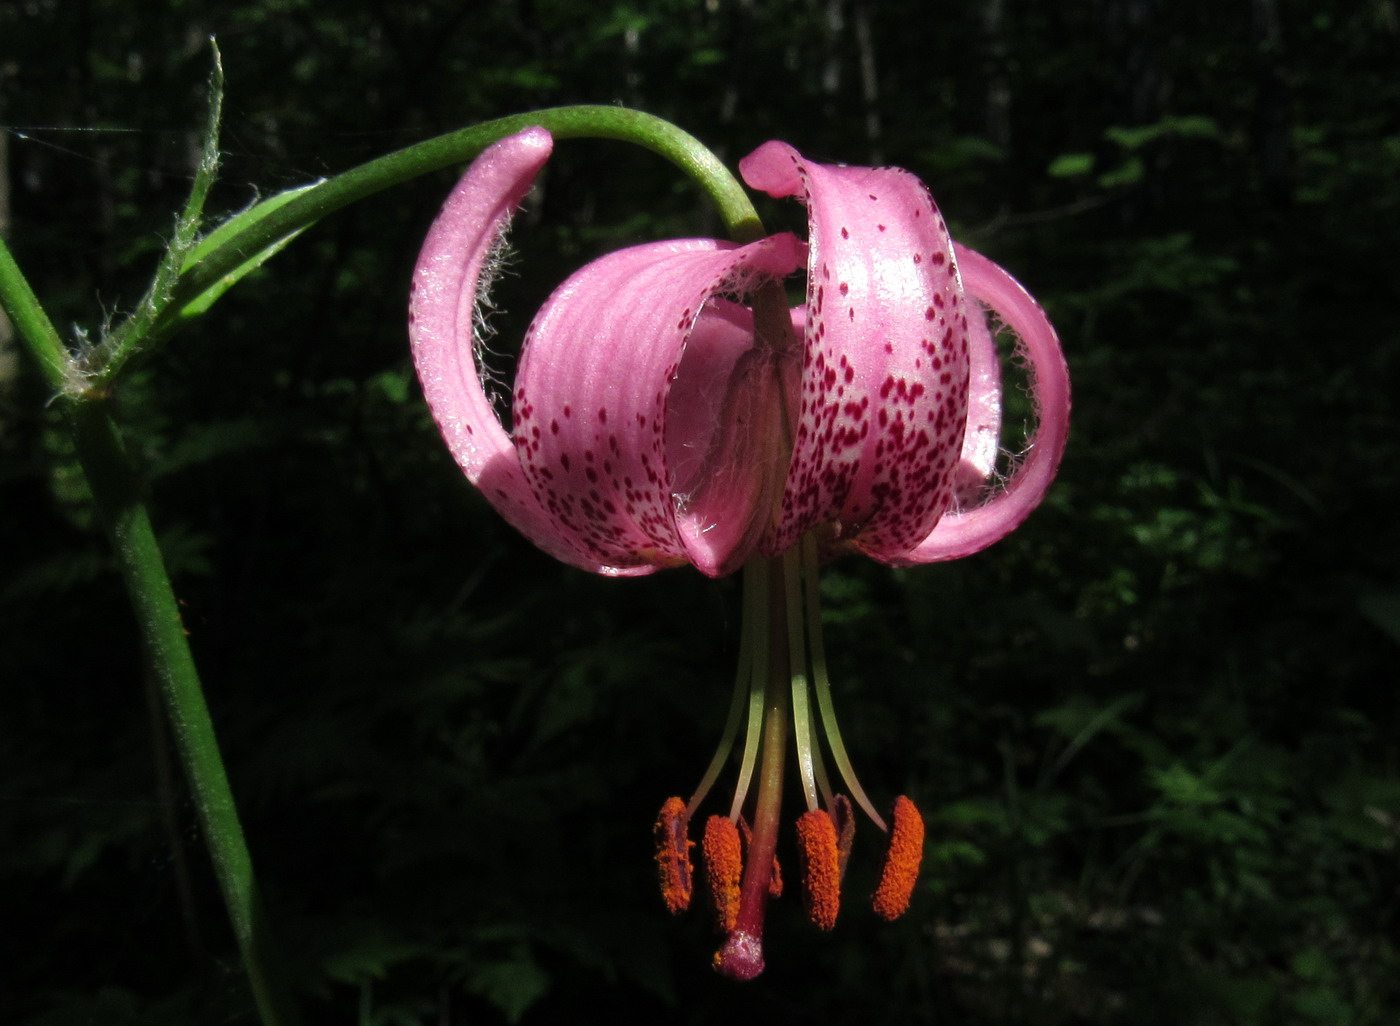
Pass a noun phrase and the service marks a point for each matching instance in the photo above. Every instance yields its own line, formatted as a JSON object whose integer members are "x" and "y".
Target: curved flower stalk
{"x": 669, "y": 409}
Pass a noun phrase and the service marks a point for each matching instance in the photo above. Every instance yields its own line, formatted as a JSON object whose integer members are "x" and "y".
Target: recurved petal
{"x": 643, "y": 416}
{"x": 964, "y": 532}
{"x": 883, "y": 396}
{"x": 982, "y": 436}
{"x": 449, "y": 285}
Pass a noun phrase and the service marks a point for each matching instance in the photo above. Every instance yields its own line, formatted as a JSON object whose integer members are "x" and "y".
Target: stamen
{"x": 673, "y": 855}
{"x": 748, "y": 761}
{"x": 724, "y": 868}
{"x": 802, "y": 603}
{"x": 753, "y": 671}
{"x": 731, "y": 724}
{"x": 822, "y": 684}
{"x": 901, "y": 868}
{"x": 807, "y": 751}
{"x": 817, "y": 852}
{"x": 844, "y": 817}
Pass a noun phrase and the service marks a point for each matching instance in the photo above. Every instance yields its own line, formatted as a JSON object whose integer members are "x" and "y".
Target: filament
{"x": 823, "y": 686}
{"x": 747, "y": 644}
{"x": 807, "y": 750}
{"x": 753, "y": 673}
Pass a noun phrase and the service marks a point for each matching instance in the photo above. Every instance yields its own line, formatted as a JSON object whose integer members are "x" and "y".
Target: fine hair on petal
{"x": 1019, "y": 407}
{"x": 495, "y": 380}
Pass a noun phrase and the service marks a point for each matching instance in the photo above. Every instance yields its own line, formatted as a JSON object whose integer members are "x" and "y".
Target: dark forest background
{"x": 1155, "y": 733}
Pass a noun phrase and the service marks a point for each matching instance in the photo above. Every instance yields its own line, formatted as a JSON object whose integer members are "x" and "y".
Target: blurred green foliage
{"x": 1154, "y": 733}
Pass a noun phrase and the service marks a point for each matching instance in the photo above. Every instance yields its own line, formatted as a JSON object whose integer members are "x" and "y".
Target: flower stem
{"x": 32, "y": 324}
{"x": 268, "y": 224}
{"x": 149, "y": 310}
{"x": 113, "y": 484}
{"x": 191, "y": 276}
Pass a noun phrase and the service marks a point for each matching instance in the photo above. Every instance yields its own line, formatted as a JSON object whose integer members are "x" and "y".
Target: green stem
{"x": 189, "y": 279}
{"x": 152, "y": 306}
{"x": 112, "y": 481}
{"x": 207, "y": 265}
{"x": 36, "y": 332}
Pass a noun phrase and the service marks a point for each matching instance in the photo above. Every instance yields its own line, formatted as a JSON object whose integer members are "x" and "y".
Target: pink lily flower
{"x": 668, "y": 409}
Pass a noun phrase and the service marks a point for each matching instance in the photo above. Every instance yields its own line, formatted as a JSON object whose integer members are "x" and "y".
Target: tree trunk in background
{"x": 869, "y": 84}
{"x": 1271, "y": 120}
{"x": 998, "y": 99}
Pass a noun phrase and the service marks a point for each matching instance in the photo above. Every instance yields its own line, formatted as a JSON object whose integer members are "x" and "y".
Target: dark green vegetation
{"x": 1154, "y": 733}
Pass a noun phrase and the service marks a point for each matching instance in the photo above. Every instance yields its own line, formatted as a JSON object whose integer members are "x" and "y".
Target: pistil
{"x": 782, "y": 675}
{"x": 741, "y": 955}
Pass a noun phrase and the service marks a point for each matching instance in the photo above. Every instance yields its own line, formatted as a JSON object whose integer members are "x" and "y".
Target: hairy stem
{"x": 36, "y": 332}
{"x": 190, "y": 277}
{"x": 113, "y": 484}
{"x": 261, "y": 229}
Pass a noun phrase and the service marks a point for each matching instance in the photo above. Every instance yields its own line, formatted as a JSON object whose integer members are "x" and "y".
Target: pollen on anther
{"x": 819, "y": 858}
{"x": 902, "y": 858}
{"x": 673, "y": 856}
{"x": 724, "y": 869}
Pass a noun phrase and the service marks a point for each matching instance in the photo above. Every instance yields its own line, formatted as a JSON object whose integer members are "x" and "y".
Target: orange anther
{"x": 902, "y": 858}
{"x": 820, "y": 860}
{"x": 673, "y": 855}
{"x": 844, "y": 818}
{"x": 724, "y": 869}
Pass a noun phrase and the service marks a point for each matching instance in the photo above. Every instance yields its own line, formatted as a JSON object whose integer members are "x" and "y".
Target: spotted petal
{"x": 883, "y": 397}
{"x": 645, "y": 419}
{"x": 608, "y": 467}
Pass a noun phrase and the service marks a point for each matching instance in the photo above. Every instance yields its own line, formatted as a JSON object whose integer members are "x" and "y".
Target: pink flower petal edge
{"x": 982, "y": 435}
{"x": 647, "y": 423}
{"x": 883, "y": 394}
{"x": 449, "y": 282}
{"x": 960, "y": 534}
